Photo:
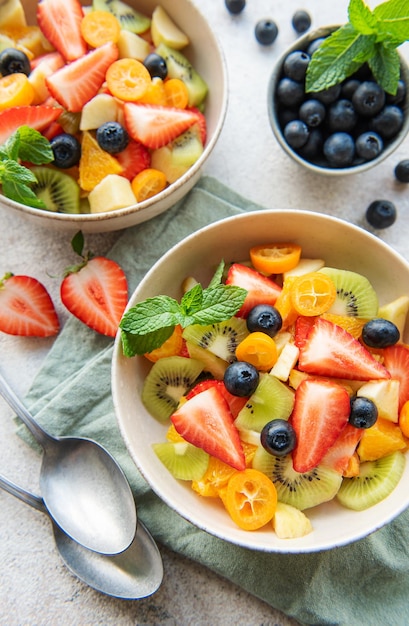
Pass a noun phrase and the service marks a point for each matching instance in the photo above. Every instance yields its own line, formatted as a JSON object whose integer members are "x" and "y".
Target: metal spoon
{"x": 131, "y": 575}
{"x": 84, "y": 489}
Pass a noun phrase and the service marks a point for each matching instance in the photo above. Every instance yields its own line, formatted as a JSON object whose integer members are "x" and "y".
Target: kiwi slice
{"x": 271, "y": 400}
{"x": 129, "y": 18}
{"x": 220, "y": 339}
{"x": 211, "y": 363}
{"x": 376, "y": 480}
{"x": 59, "y": 192}
{"x": 178, "y": 156}
{"x": 167, "y": 381}
{"x": 302, "y": 491}
{"x": 183, "y": 460}
{"x": 180, "y": 67}
{"x": 355, "y": 295}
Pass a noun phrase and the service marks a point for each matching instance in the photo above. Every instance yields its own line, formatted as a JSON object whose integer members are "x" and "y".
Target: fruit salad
{"x": 119, "y": 104}
{"x": 283, "y": 385}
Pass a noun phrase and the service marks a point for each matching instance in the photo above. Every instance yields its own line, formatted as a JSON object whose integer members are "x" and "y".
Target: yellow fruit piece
{"x": 111, "y": 193}
{"x": 313, "y": 294}
{"x": 176, "y": 93}
{"x": 95, "y": 163}
{"x": 215, "y": 478}
{"x": 164, "y": 29}
{"x": 155, "y": 93}
{"x": 353, "y": 325}
{"x": 148, "y": 183}
{"x": 128, "y": 79}
{"x": 15, "y": 90}
{"x": 258, "y": 349}
{"x": 250, "y": 499}
{"x": 284, "y": 303}
{"x": 12, "y": 14}
{"x": 100, "y": 27}
{"x": 249, "y": 450}
{"x": 290, "y": 523}
{"x": 173, "y": 436}
{"x": 170, "y": 347}
{"x": 352, "y": 468}
{"x": 383, "y": 438}
{"x": 30, "y": 39}
{"x": 404, "y": 419}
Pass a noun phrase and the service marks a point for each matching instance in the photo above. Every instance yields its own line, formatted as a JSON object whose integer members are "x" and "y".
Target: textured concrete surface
{"x": 35, "y": 587}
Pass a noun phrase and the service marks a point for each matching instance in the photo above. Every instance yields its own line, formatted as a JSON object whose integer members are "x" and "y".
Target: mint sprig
{"x": 25, "y": 144}
{"x": 148, "y": 324}
{"x": 368, "y": 36}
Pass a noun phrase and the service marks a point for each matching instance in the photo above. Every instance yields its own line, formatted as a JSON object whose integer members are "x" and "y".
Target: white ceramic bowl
{"x": 340, "y": 244}
{"x": 206, "y": 55}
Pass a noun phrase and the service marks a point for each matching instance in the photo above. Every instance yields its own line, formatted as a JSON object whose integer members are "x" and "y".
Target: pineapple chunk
{"x": 396, "y": 312}
{"x": 131, "y": 46}
{"x": 290, "y": 523}
{"x": 285, "y": 362}
{"x": 113, "y": 192}
{"x": 99, "y": 110}
{"x": 385, "y": 394}
{"x": 12, "y": 14}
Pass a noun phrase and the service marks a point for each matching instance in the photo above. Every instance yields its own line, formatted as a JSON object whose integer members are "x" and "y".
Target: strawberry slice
{"x": 26, "y": 308}
{"x": 329, "y": 350}
{"x": 38, "y": 117}
{"x": 155, "y": 126}
{"x": 321, "y": 411}
{"x": 134, "y": 159}
{"x": 340, "y": 453}
{"x": 59, "y": 21}
{"x": 235, "y": 403}
{"x": 260, "y": 289}
{"x": 303, "y": 325}
{"x": 206, "y": 422}
{"x": 76, "y": 83}
{"x": 396, "y": 361}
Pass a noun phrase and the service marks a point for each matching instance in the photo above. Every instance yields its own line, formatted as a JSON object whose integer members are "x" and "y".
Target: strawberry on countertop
{"x": 26, "y": 308}
{"x": 59, "y": 21}
{"x": 260, "y": 289}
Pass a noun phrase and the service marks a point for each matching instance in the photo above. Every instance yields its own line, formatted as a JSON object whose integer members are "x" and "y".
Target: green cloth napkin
{"x": 363, "y": 584}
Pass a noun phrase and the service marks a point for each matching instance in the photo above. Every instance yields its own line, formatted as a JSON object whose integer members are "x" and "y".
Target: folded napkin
{"x": 363, "y": 584}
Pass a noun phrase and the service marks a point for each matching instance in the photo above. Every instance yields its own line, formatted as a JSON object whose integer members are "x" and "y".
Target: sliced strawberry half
{"x": 329, "y": 350}
{"x": 134, "y": 159}
{"x": 97, "y": 294}
{"x": 155, "y": 126}
{"x": 38, "y": 117}
{"x": 260, "y": 289}
{"x": 396, "y": 361}
{"x": 340, "y": 453}
{"x": 235, "y": 403}
{"x": 76, "y": 83}
{"x": 26, "y": 308}
{"x": 303, "y": 325}
{"x": 206, "y": 421}
{"x": 60, "y": 23}
{"x": 321, "y": 411}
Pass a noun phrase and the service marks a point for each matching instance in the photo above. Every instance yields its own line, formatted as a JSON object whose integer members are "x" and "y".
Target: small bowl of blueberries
{"x": 333, "y": 113}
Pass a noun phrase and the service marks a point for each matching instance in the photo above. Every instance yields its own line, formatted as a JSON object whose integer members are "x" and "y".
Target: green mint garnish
{"x": 25, "y": 144}
{"x": 368, "y": 36}
{"x": 148, "y": 324}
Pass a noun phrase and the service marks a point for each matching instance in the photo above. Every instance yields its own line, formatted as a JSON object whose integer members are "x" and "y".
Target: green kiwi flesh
{"x": 355, "y": 295}
{"x": 183, "y": 460}
{"x": 129, "y": 18}
{"x": 220, "y": 339}
{"x": 271, "y": 400}
{"x": 59, "y": 192}
{"x": 303, "y": 491}
{"x": 168, "y": 380}
{"x": 180, "y": 67}
{"x": 376, "y": 480}
{"x": 211, "y": 363}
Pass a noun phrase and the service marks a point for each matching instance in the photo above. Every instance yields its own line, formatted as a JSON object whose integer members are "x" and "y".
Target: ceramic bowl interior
{"x": 206, "y": 55}
{"x": 302, "y": 44}
{"x": 341, "y": 245}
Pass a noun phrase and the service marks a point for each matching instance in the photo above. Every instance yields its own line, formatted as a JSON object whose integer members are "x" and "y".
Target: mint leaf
{"x": 140, "y": 344}
{"x": 219, "y": 304}
{"x": 339, "y": 56}
{"x": 385, "y": 66}
{"x": 22, "y": 193}
{"x": 10, "y": 149}
{"x": 34, "y": 147}
{"x": 151, "y": 315}
{"x": 393, "y": 22}
{"x": 218, "y": 275}
{"x": 361, "y": 17}
{"x": 192, "y": 300}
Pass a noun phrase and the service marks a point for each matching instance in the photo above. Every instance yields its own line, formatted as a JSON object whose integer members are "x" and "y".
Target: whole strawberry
{"x": 95, "y": 290}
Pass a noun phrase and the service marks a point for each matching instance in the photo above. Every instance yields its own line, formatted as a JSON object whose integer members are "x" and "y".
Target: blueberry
{"x": 13, "y": 61}
{"x": 266, "y": 31}
{"x": 342, "y": 116}
{"x": 295, "y": 65}
{"x": 313, "y": 148}
{"x": 314, "y": 45}
{"x": 241, "y": 378}
{"x": 112, "y": 137}
{"x": 339, "y": 149}
{"x": 235, "y": 6}
{"x": 264, "y": 318}
{"x": 66, "y": 150}
{"x": 312, "y": 112}
{"x": 349, "y": 87}
{"x": 369, "y": 145}
{"x": 399, "y": 96}
{"x": 287, "y": 115}
{"x": 290, "y": 93}
{"x": 381, "y": 213}
{"x": 301, "y": 21}
{"x": 369, "y": 98}
{"x": 329, "y": 95}
{"x": 388, "y": 122}
{"x": 380, "y": 333}
{"x": 156, "y": 65}
{"x": 278, "y": 437}
{"x": 296, "y": 133}
{"x": 402, "y": 171}
{"x": 363, "y": 412}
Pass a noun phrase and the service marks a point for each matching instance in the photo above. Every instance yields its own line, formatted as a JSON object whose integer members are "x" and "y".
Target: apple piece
{"x": 305, "y": 266}
{"x": 12, "y": 15}
{"x": 99, "y": 110}
{"x": 285, "y": 362}
{"x": 396, "y": 312}
{"x": 113, "y": 192}
{"x": 164, "y": 30}
{"x": 132, "y": 46}
{"x": 177, "y": 157}
{"x": 385, "y": 395}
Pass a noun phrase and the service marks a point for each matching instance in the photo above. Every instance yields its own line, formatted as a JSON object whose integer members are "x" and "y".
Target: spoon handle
{"x": 29, "y": 498}
{"x": 10, "y": 397}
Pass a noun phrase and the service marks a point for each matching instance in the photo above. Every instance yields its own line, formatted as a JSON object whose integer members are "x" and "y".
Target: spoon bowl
{"x": 83, "y": 487}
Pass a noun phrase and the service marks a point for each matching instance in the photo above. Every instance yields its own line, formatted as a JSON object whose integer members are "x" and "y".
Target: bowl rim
{"x": 300, "y": 43}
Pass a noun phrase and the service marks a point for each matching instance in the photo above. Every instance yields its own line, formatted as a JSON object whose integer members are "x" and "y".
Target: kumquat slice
{"x": 258, "y": 349}
{"x": 250, "y": 499}
{"x": 275, "y": 258}
{"x": 100, "y": 27}
{"x": 313, "y": 294}
{"x": 127, "y": 79}
{"x": 15, "y": 90}
{"x": 148, "y": 183}
{"x": 177, "y": 94}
